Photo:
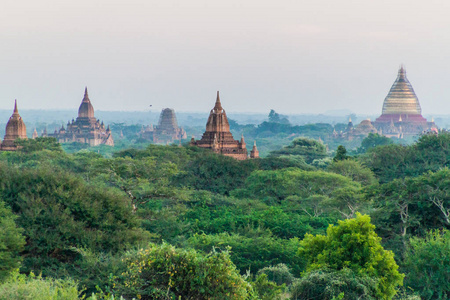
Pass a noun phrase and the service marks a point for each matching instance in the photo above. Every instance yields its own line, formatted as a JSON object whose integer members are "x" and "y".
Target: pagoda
{"x": 86, "y": 128}
{"x": 402, "y": 114}
{"x": 218, "y": 137}
{"x": 167, "y": 129}
{"x": 15, "y": 129}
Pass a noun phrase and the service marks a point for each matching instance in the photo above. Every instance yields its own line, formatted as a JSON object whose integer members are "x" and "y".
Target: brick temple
{"x": 167, "y": 130}
{"x": 218, "y": 137}
{"x": 86, "y": 128}
{"x": 15, "y": 129}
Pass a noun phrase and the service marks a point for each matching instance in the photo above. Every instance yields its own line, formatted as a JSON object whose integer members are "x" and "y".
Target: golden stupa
{"x": 401, "y": 109}
{"x": 401, "y": 98}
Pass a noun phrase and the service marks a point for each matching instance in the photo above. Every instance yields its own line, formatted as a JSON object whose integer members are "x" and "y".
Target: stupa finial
{"x": 86, "y": 95}
{"x": 15, "y": 106}
{"x": 218, "y": 105}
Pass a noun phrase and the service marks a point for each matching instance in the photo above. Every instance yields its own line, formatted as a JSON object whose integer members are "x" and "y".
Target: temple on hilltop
{"x": 218, "y": 137}
{"x": 401, "y": 114}
{"x": 167, "y": 129}
{"x": 15, "y": 129}
{"x": 85, "y": 129}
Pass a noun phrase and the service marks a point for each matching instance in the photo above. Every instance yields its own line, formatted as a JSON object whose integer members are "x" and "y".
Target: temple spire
{"x": 402, "y": 72}
{"x": 254, "y": 153}
{"x": 218, "y": 105}
{"x": 15, "y": 106}
{"x": 86, "y": 95}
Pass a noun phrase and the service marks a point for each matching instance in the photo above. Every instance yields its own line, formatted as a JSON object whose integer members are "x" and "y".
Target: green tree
{"x": 165, "y": 272}
{"x": 341, "y": 154}
{"x": 60, "y": 212}
{"x": 354, "y": 170}
{"x": 280, "y": 184}
{"x": 252, "y": 251}
{"x": 11, "y": 242}
{"x": 38, "y": 144}
{"x": 373, "y": 140}
{"x": 353, "y": 244}
{"x": 427, "y": 262}
{"x": 308, "y": 149}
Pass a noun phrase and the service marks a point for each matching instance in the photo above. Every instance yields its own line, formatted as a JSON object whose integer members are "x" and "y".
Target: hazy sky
{"x": 293, "y": 56}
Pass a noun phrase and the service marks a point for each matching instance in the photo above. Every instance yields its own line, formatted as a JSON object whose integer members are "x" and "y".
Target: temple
{"x": 167, "y": 129}
{"x": 15, "y": 129}
{"x": 85, "y": 129}
{"x": 401, "y": 114}
{"x": 218, "y": 137}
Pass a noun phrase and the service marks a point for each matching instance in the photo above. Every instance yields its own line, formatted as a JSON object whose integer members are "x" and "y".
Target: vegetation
{"x": 167, "y": 221}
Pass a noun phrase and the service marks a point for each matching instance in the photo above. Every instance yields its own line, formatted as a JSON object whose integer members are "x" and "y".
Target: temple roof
{"x": 86, "y": 109}
{"x": 217, "y": 121}
{"x": 401, "y": 98}
{"x": 15, "y": 128}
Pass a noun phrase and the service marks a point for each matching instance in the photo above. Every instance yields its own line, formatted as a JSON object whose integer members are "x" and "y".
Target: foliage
{"x": 21, "y": 287}
{"x": 428, "y": 264}
{"x": 39, "y": 144}
{"x": 216, "y": 173}
{"x": 373, "y": 140}
{"x": 331, "y": 284}
{"x": 411, "y": 206}
{"x": 341, "y": 154}
{"x": 430, "y": 153}
{"x": 256, "y": 250}
{"x": 275, "y": 117}
{"x": 354, "y": 170}
{"x": 59, "y": 211}
{"x": 266, "y": 289}
{"x": 353, "y": 244}
{"x": 308, "y": 149}
{"x": 280, "y": 274}
{"x": 164, "y": 272}
{"x": 11, "y": 242}
{"x": 280, "y": 184}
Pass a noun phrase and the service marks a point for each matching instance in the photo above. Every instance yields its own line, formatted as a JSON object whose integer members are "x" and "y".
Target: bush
{"x": 280, "y": 274}
{"x": 164, "y": 272}
{"x": 21, "y": 287}
{"x": 326, "y": 284}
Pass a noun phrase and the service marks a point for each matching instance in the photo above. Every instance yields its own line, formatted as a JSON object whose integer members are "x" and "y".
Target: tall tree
{"x": 353, "y": 244}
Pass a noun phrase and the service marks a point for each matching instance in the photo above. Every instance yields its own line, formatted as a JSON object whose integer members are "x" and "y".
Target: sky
{"x": 294, "y": 56}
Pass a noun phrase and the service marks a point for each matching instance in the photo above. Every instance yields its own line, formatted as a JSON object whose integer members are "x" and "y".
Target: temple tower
{"x": 254, "y": 153}
{"x": 86, "y": 110}
{"x": 401, "y": 107}
{"x": 15, "y": 129}
{"x": 35, "y": 134}
{"x": 218, "y": 137}
{"x": 167, "y": 129}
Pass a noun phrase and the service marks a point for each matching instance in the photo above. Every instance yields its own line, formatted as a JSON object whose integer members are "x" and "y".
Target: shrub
{"x": 280, "y": 274}
{"x": 164, "y": 272}
{"x": 328, "y": 284}
{"x": 21, "y": 287}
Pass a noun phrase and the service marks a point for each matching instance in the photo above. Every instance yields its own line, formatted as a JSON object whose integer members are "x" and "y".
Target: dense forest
{"x": 179, "y": 222}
